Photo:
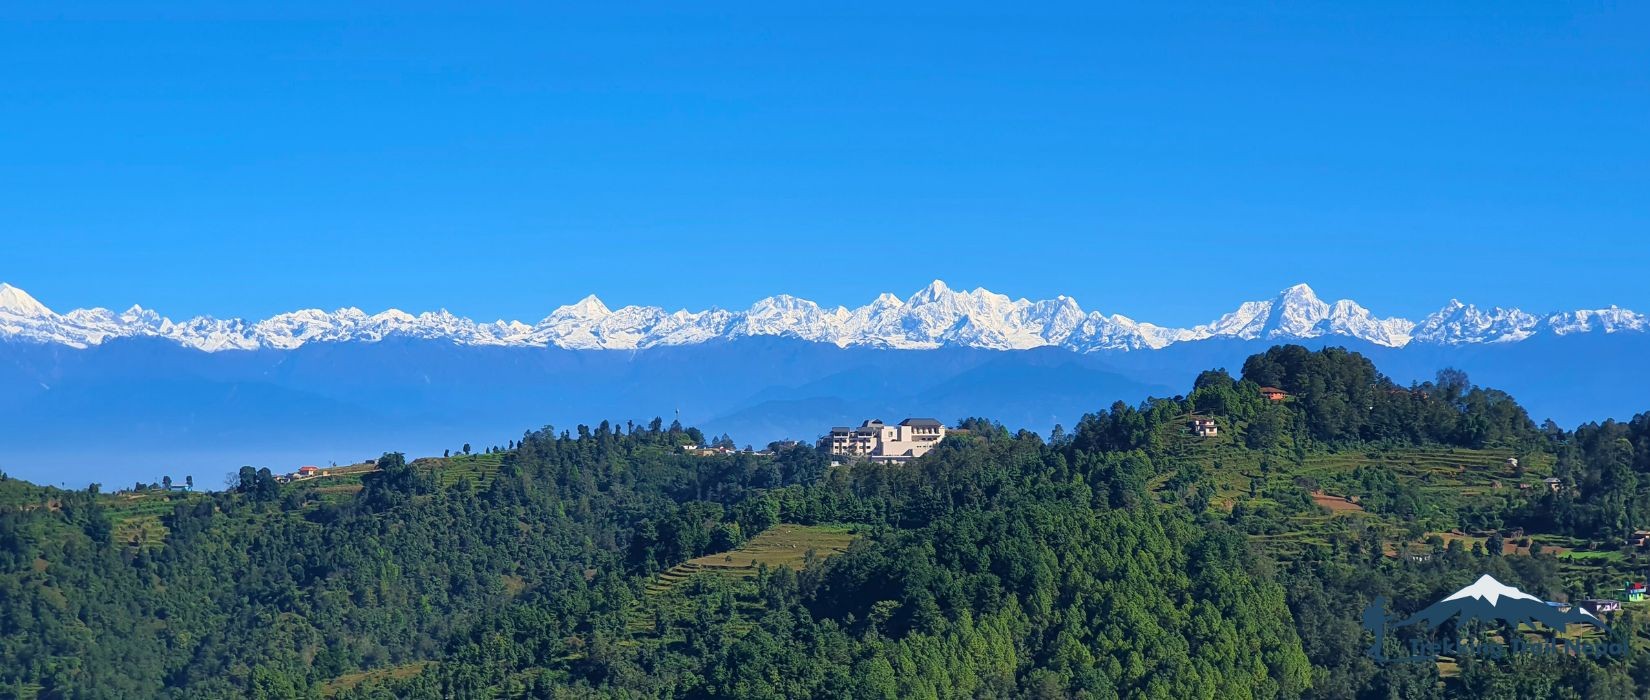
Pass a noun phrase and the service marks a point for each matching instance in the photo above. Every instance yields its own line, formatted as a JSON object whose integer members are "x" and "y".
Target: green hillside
{"x": 1125, "y": 557}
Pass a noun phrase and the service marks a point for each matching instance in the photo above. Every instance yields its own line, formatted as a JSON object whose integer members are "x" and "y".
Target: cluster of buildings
{"x": 879, "y": 442}
{"x": 1551, "y": 483}
{"x": 1633, "y": 592}
{"x": 708, "y": 450}
{"x": 304, "y": 472}
{"x": 714, "y": 450}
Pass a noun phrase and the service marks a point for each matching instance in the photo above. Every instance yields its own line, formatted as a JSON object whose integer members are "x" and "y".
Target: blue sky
{"x": 1163, "y": 163}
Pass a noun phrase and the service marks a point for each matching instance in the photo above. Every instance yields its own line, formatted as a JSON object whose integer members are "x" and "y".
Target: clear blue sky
{"x": 1162, "y": 163}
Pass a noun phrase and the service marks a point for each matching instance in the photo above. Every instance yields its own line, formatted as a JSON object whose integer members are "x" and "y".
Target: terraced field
{"x": 1454, "y": 479}
{"x": 350, "y": 680}
{"x": 1449, "y": 478}
{"x": 780, "y": 545}
{"x": 136, "y": 517}
{"x": 1336, "y": 504}
{"x": 1452, "y": 472}
{"x": 479, "y": 468}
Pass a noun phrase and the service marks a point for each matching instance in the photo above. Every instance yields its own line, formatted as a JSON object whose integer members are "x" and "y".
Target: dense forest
{"x": 1121, "y": 557}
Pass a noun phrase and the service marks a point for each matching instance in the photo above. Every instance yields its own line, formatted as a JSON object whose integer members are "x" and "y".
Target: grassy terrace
{"x": 478, "y": 468}
{"x": 1457, "y": 474}
{"x": 351, "y": 680}
{"x": 780, "y": 545}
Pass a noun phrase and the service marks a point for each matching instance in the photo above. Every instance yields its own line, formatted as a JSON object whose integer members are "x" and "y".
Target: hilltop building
{"x": 880, "y": 442}
{"x": 1274, "y": 393}
{"x": 305, "y": 472}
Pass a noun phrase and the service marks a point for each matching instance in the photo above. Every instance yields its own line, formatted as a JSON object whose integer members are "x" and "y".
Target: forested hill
{"x": 1124, "y": 557}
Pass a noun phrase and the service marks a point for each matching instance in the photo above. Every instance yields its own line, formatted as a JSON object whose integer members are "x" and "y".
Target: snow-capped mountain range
{"x": 936, "y": 316}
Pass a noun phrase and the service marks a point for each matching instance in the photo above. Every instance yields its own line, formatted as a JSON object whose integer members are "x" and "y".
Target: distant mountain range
{"x": 934, "y": 317}
{"x": 94, "y": 395}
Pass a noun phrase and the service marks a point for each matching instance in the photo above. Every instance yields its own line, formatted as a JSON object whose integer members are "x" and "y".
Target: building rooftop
{"x": 921, "y": 422}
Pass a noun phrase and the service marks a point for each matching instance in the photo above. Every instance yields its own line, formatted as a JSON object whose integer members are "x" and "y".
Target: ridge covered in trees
{"x": 1121, "y": 558}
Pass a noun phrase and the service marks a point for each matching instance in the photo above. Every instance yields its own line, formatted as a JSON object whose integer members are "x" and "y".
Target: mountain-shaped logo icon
{"x": 1485, "y": 600}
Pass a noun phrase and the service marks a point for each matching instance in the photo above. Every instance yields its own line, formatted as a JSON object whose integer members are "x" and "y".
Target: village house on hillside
{"x": 880, "y": 442}
{"x": 1417, "y": 552}
{"x": 1274, "y": 393}
{"x": 1204, "y": 427}
{"x": 304, "y": 472}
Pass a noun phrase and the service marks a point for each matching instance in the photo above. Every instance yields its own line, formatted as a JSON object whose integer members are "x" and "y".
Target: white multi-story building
{"x": 880, "y": 442}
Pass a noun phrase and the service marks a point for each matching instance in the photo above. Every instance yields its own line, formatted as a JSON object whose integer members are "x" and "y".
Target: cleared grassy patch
{"x": 780, "y": 545}
{"x": 1597, "y": 557}
{"x": 137, "y": 518}
{"x": 478, "y": 468}
{"x": 351, "y": 680}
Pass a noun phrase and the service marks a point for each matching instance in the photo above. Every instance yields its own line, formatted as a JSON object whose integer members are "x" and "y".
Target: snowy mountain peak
{"x": 935, "y": 291}
{"x": 888, "y": 299}
{"x": 932, "y": 317}
{"x": 589, "y": 307}
{"x": 1487, "y": 589}
{"x": 1611, "y": 320}
{"x": 19, "y": 302}
{"x": 1301, "y": 293}
{"x": 1295, "y": 311}
{"x": 1459, "y": 323}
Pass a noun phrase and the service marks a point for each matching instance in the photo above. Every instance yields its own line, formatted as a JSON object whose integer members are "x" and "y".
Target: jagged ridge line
{"x": 935, "y": 316}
